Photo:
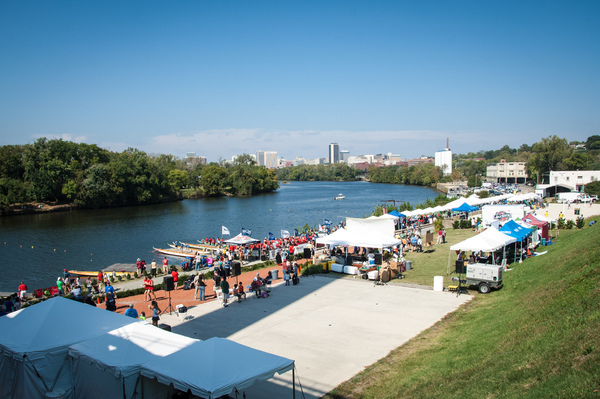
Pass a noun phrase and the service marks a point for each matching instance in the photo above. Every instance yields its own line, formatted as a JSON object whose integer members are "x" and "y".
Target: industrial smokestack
{"x": 447, "y": 141}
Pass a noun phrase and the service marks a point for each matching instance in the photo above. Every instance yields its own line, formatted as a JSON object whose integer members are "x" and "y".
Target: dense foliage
{"x": 57, "y": 171}
{"x": 422, "y": 174}
{"x": 330, "y": 172}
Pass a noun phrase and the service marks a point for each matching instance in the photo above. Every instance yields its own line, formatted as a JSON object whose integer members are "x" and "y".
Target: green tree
{"x": 178, "y": 178}
{"x": 214, "y": 179}
{"x": 548, "y": 155}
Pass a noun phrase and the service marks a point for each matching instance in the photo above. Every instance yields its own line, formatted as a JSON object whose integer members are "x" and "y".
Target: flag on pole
{"x": 285, "y": 234}
{"x": 224, "y": 230}
{"x": 271, "y": 236}
{"x": 246, "y": 232}
{"x": 295, "y": 232}
{"x": 322, "y": 228}
{"x": 326, "y": 221}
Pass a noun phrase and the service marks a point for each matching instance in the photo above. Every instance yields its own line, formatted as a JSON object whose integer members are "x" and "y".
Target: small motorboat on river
{"x": 339, "y": 197}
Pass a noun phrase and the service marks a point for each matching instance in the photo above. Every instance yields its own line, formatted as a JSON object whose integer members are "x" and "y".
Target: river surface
{"x": 36, "y": 248}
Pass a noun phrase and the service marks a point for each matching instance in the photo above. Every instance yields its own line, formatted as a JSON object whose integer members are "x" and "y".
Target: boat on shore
{"x": 340, "y": 197}
{"x": 81, "y": 273}
{"x": 176, "y": 252}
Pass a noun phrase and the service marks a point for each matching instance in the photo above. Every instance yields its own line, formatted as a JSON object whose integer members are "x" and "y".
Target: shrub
{"x": 456, "y": 225}
{"x": 128, "y": 276}
{"x": 570, "y": 224}
{"x": 119, "y": 278}
{"x": 135, "y": 275}
{"x": 561, "y": 223}
{"x": 465, "y": 224}
{"x": 309, "y": 268}
{"x": 580, "y": 223}
{"x": 439, "y": 224}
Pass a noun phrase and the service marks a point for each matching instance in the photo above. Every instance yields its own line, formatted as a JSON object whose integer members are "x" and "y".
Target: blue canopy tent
{"x": 465, "y": 208}
{"x": 397, "y": 214}
{"x": 517, "y": 231}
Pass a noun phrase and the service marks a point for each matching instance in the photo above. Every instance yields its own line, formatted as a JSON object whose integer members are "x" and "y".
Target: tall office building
{"x": 334, "y": 153}
{"x": 260, "y": 158}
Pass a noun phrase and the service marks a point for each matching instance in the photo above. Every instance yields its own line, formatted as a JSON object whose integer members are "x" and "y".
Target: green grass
{"x": 538, "y": 337}
{"x": 425, "y": 265}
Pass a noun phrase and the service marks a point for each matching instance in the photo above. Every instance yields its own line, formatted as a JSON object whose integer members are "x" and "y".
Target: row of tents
{"x": 61, "y": 348}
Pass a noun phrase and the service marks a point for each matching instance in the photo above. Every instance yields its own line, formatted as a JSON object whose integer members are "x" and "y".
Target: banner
{"x": 327, "y": 222}
{"x": 271, "y": 236}
{"x": 246, "y": 232}
{"x": 285, "y": 234}
{"x": 224, "y": 230}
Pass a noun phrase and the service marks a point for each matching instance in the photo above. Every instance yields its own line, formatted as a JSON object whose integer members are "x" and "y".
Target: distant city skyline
{"x": 226, "y": 78}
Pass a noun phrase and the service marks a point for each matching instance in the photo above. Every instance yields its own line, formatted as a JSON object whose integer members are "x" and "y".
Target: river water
{"x": 36, "y": 248}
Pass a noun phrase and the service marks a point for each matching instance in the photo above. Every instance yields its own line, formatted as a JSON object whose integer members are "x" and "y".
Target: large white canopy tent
{"x": 116, "y": 358}
{"x": 218, "y": 373}
{"x": 369, "y": 233}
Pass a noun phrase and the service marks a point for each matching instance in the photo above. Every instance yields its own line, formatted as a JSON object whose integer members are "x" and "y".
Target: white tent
{"x": 35, "y": 342}
{"x": 488, "y": 241}
{"x": 115, "y": 359}
{"x": 218, "y": 372}
{"x": 369, "y": 233}
{"x": 241, "y": 239}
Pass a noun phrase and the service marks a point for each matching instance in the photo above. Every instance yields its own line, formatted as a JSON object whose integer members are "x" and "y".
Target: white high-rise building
{"x": 334, "y": 153}
{"x": 267, "y": 159}
{"x": 443, "y": 159}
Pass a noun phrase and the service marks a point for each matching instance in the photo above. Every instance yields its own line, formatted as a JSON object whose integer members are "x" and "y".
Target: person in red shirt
{"x": 22, "y": 290}
{"x": 175, "y": 277}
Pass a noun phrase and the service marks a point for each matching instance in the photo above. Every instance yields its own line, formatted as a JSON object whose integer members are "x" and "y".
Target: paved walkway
{"x": 333, "y": 328}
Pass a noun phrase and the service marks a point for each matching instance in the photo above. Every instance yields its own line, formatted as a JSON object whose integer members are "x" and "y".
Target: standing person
{"x": 286, "y": 277}
{"x": 153, "y": 268}
{"x": 110, "y": 290}
{"x": 225, "y": 291}
{"x": 155, "y": 313}
{"x": 175, "y": 277}
{"x": 200, "y": 287}
{"x": 165, "y": 267}
{"x": 148, "y": 289}
{"x": 100, "y": 279}
{"x": 22, "y": 290}
{"x": 60, "y": 285}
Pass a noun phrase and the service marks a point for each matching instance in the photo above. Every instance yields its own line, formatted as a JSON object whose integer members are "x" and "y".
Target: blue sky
{"x": 225, "y": 77}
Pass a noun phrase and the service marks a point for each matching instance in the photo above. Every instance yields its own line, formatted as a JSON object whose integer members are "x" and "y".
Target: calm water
{"x": 36, "y": 248}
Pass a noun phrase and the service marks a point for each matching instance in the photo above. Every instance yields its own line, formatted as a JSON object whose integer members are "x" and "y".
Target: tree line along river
{"x": 36, "y": 248}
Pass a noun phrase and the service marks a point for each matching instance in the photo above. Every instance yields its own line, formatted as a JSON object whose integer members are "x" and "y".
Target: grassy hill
{"x": 538, "y": 337}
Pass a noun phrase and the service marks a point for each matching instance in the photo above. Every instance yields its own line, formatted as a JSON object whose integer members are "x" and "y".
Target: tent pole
{"x": 294, "y": 382}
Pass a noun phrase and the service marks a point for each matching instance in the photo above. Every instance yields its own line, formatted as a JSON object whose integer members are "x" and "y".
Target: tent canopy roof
{"x": 513, "y": 229}
{"x": 241, "y": 239}
{"x": 207, "y": 378}
{"x": 369, "y": 233}
{"x": 488, "y": 241}
{"x": 37, "y": 328}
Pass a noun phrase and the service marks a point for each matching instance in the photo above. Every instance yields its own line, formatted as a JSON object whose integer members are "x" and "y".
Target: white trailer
{"x": 484, "y": 276}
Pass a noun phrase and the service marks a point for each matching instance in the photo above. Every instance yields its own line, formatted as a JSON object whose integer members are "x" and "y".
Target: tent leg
{"x": 294, "y": 383}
